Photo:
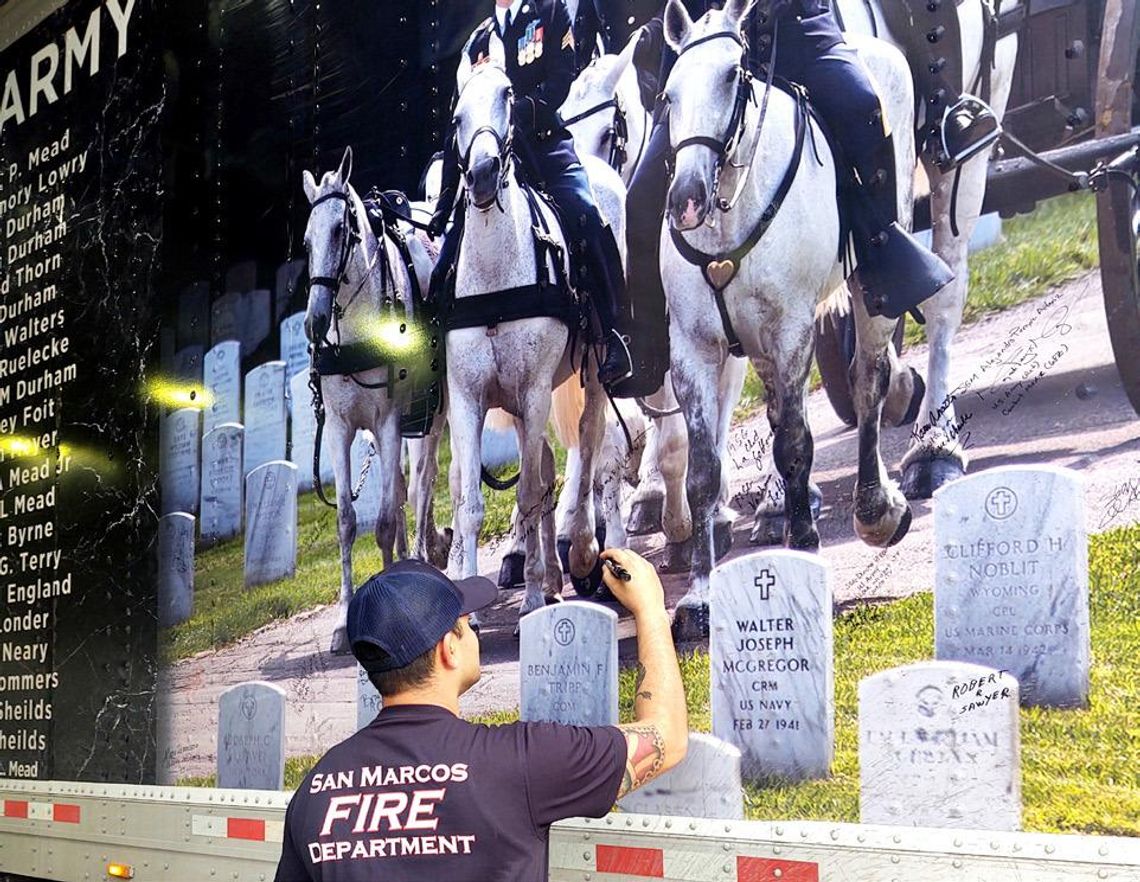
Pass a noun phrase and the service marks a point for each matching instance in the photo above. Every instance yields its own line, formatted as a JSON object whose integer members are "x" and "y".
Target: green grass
{"x": 225, "y": 611}
{"x": 1080, "y": 768}
{"x": 1039, "y": 251}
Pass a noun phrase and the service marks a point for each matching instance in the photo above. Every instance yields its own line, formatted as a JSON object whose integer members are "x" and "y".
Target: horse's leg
{"x": 552, "y": 577}
{"x": 882, "y": 515}
{"x": 401, "y": 512}
{"x": 936, "y": 455}
{"x": 591, "y": 427}
{"x": 533, "y": 495}
{"x": 392, "y": 492}
{"x": 786, "y": 367}
{"x": 645, "y": 510}
{"x": 608, "y": 481}
{"x": 340, "y": 447}
{"x": 696, "y": 379}
{"x": 430, "y": 544}
{"x": 466, "y": 420}
{"x": 731, "y": 385}
{"x": 568, "y": 502}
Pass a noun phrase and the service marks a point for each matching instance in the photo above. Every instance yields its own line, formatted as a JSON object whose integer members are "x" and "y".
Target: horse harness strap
{"x": 720, "y": 269}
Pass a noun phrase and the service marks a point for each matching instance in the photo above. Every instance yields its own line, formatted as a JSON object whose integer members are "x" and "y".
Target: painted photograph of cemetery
{"x": 978, "y": 666}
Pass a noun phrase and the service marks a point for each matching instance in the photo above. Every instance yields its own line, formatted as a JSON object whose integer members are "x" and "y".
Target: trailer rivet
{"x": 692, "y": 825}
{"x": 894, "y": 858}
{"x": 669, "y": 825}
{"x": 1103, "y": 851}
{"x": 726, "y": 846}
{"x": 860, "y": 838}
{"x": 779, "y": 831}
{"x": 1102, "y": 874}
{"x": 645, "y": 822}
{"x": 834, "y": 834}
{"x": 629, "y": 822}
{"x": 585, "y": 855}
{"x": 896, "y": 839}
{"x": 727, "y": 868}
{"x": 1049, "y": 849}
{"x": 957, "y": 864}
{"x": 995, "y": 845}
{"x": 957, "y": 843}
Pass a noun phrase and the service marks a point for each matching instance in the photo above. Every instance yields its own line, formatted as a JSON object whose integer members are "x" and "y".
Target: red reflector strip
{"x": 245, "y": 828}
{"x": 646, "y": 862}
{"x": 65, "y": 813}
{"x": 15, "y": 808}
{"x": 753, "y": 869}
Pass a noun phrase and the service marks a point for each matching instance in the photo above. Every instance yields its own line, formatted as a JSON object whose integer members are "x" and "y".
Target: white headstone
{"x": 222, "y": 381}
{"x": 706, "y": 784}
{"x": 178, "y": 458}
{"x": 1011, "y": 579}
{"x": 288, "y": 275}
{"x": 568, "y": 665}
{"x": 270, "y": 523}
{"x": 227, "y": 316}
{"x": 305, "y": 433}
{"x": 771, "y": 665}
{"x": 939, "y": 746}
{"x": 294, "y": 345}
{"x": 258, "y": 319}
{"x": 368, "y": 700}
{"x": 266, "y": 419}
{"x": 251, "y": 737}
{"x": 241, "y": 277}
{"x": 367, "y": 504}
{"x": 175, "y": 568}
{"x": 194, "y": 314}
{"x": 221, "y": 510}
{"x": 188, "y": 365}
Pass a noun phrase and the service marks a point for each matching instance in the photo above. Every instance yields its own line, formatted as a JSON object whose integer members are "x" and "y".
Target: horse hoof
{"x": 511, "y": 571}
{"x": 645, "y": 516}
{"x": 769, "y": 529}
{"x": 340, "y": 642}
{"x": 922, "y": 477}
{"x": 904, "y": 525}
{"x": 808, "y": 540}
{"x": 690, "y": 623}
{"x": 552, "y": 599}
{"x": 678, "y": 556}
{"x": 588, "y": 586}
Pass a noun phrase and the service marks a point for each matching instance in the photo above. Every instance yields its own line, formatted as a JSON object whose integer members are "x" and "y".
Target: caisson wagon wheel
{"x": 1118, "y": 205}
{"x": 834, "y": 352}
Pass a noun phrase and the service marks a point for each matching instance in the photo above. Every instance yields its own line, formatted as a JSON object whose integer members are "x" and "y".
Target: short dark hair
{"x": 417, "y": 672}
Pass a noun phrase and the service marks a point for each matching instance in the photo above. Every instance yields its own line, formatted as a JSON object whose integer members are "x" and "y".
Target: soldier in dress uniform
{"x": 897, "y": 273}
{"x": 540, "y": 62}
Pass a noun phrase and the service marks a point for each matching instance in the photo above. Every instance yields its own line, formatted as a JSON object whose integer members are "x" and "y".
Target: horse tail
{"x": 567, "y": 405}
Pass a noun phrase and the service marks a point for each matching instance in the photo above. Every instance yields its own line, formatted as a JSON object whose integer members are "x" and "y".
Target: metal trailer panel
{"x": 70, "y": 831}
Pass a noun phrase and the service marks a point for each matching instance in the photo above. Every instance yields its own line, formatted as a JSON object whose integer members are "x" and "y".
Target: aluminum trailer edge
{"x": 74, "y": 831}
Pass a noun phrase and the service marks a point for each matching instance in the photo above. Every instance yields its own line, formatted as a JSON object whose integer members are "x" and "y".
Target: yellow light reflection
{"x": 394, "y": 336}
{"x": 178, "y": 393}
{"x": 18, "y": 445}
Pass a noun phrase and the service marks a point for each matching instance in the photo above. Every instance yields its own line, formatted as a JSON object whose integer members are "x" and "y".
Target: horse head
{"x": 330, "y": 236}
{"x": 594, "y": 106}
{"x": 704, "y": 113}
{"x": 483, "y": 132}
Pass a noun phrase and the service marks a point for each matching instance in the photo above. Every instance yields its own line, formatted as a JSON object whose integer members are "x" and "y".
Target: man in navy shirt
{"x": 421, "y": 794}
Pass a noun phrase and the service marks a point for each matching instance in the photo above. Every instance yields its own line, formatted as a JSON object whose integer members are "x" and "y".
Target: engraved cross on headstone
{"x": 1000, "y": 502}
{"x": 765, "y": 582}
{"x": 564, "y": 631}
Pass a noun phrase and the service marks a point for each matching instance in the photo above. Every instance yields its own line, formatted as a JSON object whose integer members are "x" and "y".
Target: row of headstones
{"x": 270, "y": 548}
{"x": 243, "y": 312}
{"x": 938, "y": 740}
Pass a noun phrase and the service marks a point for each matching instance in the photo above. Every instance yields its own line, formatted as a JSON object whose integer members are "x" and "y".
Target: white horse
{"x": 354, "y": 300}
{"x": 604, "y": 113}
{"x": 770, "y": 291}
{"x": 516, "y": 365}
{"x": 935, "y": 456}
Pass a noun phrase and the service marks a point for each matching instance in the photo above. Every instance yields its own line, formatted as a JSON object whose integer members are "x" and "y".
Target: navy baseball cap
{"x": 403, "y": 611}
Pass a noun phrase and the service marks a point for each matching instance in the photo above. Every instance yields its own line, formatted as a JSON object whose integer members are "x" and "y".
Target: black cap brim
{"x": 477, "y": 592}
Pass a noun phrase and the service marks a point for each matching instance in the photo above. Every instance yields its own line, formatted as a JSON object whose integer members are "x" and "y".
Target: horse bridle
{"x": 504, "y": 145}
{"x": 619, "y": 131}
{"x": 351, "y": 239}
{"x": 725, "y": 146}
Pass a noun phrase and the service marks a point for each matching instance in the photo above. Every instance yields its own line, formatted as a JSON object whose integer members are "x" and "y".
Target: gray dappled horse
{"x": 351, "y": 303}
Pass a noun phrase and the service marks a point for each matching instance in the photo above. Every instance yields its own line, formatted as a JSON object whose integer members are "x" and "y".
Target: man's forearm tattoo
{"x": 642, "y": 693}
{"x": 645, "y": 754}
